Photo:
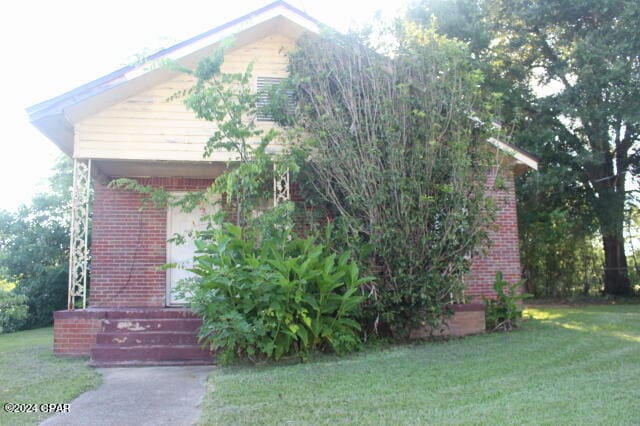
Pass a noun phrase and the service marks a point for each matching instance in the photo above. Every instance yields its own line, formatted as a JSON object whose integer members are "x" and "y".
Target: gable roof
{"x": 55, "y": 117}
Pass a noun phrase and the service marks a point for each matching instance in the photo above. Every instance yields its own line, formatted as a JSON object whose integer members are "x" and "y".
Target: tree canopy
{"x": 34, "y": 247}
{"x": 569, "y": 76}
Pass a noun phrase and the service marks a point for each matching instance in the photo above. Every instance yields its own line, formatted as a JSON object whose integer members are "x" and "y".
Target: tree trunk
{"x": 616, "y": 278}
{"x": 610, "y": 186}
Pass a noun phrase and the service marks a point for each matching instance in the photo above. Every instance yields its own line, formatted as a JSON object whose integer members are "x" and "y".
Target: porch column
{"x": 79, "y": 234}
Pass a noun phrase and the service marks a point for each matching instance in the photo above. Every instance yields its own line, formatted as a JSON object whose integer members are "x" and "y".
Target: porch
{"x": 128, "y": 315}
{"x": 122, "y": 309}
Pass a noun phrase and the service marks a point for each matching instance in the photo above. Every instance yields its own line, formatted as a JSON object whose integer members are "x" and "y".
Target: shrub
{"x": 13, "y": 311}
{"x": 417, "y": 195}
{"x": 503, "y": 312}
{"x": 273, "y": 297}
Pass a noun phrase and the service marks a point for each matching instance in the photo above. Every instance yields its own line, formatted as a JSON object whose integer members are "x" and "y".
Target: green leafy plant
{"x": 13, "y": 311}
{"x": 265, "y": 298}
{"x": 503, "y": 312}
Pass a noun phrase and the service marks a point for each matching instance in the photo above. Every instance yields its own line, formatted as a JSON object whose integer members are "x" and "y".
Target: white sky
{"x": 49, "y": 47}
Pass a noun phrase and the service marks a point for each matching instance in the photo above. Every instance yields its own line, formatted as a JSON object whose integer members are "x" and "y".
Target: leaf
{"x": 329, "y": 264}
{"x": 344, "y": 258}
{"x": 304, "y": 336}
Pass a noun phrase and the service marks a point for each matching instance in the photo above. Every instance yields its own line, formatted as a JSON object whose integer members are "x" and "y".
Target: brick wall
{"x": 504, "y": 252}
{"x": 74, "y": 332}
{"x": 129, "y": 244}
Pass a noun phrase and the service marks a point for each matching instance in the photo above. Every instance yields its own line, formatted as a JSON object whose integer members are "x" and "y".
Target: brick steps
{"x": 149, "y": 313}
{"x": 136, "y": 337}
{"x": 107, "y": 364}
{"x": 122, "y": 339}
{"x": 109, "y": 353}
{"x": 142, "y": 325}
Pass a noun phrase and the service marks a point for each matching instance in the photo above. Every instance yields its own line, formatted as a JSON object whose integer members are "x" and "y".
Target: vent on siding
{"x": 265, "y": 85}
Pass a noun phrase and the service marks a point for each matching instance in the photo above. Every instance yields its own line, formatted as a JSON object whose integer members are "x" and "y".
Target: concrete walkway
{"x": 140, "y": 396}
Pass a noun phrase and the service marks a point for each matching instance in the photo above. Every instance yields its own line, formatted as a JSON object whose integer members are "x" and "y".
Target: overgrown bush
{"x": 265, "y": 298}
{"x": 13, "y": 311}
{"x": 396, "y": 141}
{"x": 503, "y": 313}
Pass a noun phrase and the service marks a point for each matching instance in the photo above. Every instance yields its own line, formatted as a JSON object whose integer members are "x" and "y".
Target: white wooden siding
{"x": 148, "y": 127}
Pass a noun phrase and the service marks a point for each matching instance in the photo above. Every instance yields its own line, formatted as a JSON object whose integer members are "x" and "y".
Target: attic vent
{"x": 265, "y": 86}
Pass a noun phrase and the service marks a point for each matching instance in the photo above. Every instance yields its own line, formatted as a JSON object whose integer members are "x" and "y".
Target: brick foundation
{"x": 74, "y": 332}
{"x": 466, "y": 320}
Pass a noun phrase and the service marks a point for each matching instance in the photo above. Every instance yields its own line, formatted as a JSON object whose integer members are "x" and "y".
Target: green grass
{"x": 564, "y": 366}
{"x": 29, "y": 373}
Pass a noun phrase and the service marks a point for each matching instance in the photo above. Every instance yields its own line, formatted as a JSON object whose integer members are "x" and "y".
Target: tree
{"x": 590, "y": 50}
{"x": 585, "y": 121}
{"x": 34, "y": 246}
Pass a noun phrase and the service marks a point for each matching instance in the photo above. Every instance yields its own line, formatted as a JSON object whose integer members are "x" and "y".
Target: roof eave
{"x": 519, "y": 155}
{"x": 58, "y": 129}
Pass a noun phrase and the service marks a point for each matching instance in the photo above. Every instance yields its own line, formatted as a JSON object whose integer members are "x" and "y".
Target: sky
{"x": 50, "y": 47}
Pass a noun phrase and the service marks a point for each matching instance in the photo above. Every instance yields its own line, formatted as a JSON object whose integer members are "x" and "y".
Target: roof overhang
{"x": 56, "y": 117}
{"x": 522, "y": 159}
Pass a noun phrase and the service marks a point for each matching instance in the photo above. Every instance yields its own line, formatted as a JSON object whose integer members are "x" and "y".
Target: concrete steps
{"x": 149, "y": 337}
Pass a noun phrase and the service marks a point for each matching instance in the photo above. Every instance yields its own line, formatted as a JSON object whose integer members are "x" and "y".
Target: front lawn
{"x": 564, "y": 366}
{"x": 29, "y": 373}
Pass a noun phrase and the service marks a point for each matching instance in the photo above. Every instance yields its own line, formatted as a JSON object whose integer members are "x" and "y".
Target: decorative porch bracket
{"x": 281, "y": 190}
{"x": 79, "y": 239}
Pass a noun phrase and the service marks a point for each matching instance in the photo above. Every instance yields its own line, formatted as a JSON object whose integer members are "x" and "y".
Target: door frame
{"x": 168, "y": 234}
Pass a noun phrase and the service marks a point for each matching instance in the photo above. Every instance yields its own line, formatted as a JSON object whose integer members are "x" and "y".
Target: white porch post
{"x": 281, "y": 189}
{"x": 79, "y": 233}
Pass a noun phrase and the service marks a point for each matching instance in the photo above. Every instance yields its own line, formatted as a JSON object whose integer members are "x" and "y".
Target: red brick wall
{"x": 129, "y": 244}
{"x": 504, "y": 252}
{"x": 74, "y": 332}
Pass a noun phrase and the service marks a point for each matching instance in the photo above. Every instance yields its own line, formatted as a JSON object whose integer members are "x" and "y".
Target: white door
{"x": 179, "y": 222}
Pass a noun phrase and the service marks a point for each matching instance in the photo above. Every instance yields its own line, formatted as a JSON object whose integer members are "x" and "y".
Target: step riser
{"x": 151, "y": 314}
{"x": 144, "y": 325}
{"x": 148, "y": 338}
{"x": 145, "y": 354}
{"x": 182, "y": 363}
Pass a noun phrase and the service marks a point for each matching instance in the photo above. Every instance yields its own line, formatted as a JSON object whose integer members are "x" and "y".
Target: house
{"x": 122, "y": 125}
